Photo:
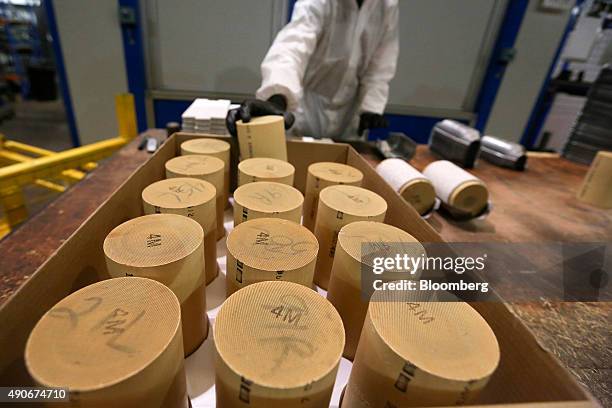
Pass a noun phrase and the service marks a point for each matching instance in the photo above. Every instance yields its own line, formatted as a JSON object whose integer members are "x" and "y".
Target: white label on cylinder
{"x": 397, "y": 172}
{"x": 446, "y": 177}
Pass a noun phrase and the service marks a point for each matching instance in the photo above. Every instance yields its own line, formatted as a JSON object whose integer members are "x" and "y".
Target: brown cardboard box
{"x": 527, "y": 375}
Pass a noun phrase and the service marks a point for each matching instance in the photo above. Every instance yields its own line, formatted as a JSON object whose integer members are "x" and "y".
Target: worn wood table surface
{"x": 25, "y": 249}
{"x": 537, "y": 205}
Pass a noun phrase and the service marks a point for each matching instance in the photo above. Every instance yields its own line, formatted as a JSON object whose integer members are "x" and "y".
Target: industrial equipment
{"x": 33, "y": 165}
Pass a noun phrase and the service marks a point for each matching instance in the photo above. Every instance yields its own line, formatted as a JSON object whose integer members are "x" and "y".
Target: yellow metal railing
{"x": 37, "y": 166}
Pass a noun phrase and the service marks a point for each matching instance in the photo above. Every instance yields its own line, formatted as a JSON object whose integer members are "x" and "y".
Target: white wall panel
{"x": 217, "y": 47}
{"x": 208, "y": 45}
{"x": 538, "y": 39}
{"x": 92, "y": 49}
{"x": 444, "y": 51}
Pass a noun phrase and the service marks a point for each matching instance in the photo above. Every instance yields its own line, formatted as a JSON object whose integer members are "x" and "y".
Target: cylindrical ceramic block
{"x": 278, "y": 345}
{"x": 267, "y": 249}
{"x": 193, "y": 198}
{"x": 415, "y": 353}
{"x": 212, "y": 147}
{"x": 597, "y": 186}
{"x": 168, "y": 248}
{"x": 340, "y": 205}
{"x": 265, "y": 169}
{"x": 321, "y": 175}
{"x": 263, "y": 136}
{"x": 413, "y": 186}
{"x": 205, "y": 168}
{"x": 264, "y": 199}
{"x": 359, "y": 243}
{"x": 457, "y": 188}
{"x": 116, "y": 343}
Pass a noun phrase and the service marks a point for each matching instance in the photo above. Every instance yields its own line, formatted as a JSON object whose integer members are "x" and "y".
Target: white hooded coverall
{"x": 332, "y": 62}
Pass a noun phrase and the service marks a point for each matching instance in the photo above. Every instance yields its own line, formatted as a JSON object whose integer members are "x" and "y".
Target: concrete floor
{"x": 42, "y": 124}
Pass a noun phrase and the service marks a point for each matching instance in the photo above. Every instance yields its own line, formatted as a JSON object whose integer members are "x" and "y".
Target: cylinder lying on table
{"x": 205, "y": 168}
{"x": 267, "y": 249}
{"x": 413, "y": 186}
{"x": 414, "y": 352}
{"x": 359, "y": 244}
{"x": 192, "y": 198}
{"x": 321, "y": 175}
{"x": 264, "y": 199}
{"x": 278, "y": 345}
{"x": 168, "y": 248}
{"x": 338, "y": 206}
{"x": 116, "y": 343}
{"x": 212, "y": 147}
{"x": 265, "y": 169}
{"x": 262, "y": 136}
{"x": 457, "y": 188}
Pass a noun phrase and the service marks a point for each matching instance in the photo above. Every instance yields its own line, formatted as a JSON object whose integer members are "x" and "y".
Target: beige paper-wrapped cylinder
{"x": 265, "y": 169}
{"x": 116, "y": 343}
{"x": 205, "y": 168}
{"x": 415, "y": 188}
{"x": 264, "y": 199}
{"x": 170, "y": 249}
{"x": 339, "y": 206}
{"x": 597, "y": 186}
{"x": 212, "y": 147}
{"x": 267, "y": 249}
{"x": 278, "y": 345}
{"x": 263, "y": 136}
{"x": 321, "y": 175}
{"x": 192, "y": 198}
{"x": 457, "y": 188}
{"x": 415, "y": 353}
{"x": 358, "y": 244}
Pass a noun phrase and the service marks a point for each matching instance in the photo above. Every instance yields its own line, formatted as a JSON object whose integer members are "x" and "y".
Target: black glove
{"x": 276, "y": 105}
{"x": 369, "y": 120}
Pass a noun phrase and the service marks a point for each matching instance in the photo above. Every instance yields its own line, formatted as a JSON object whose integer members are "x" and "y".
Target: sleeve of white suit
{"x": 374, "y": 85}
{"x": 283, "y": 67}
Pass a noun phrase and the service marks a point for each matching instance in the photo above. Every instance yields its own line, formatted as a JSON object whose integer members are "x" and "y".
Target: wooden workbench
{"x": 537, "y": 205}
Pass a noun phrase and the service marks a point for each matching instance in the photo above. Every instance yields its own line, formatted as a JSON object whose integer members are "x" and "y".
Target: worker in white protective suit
{"x": 330, "y": 66}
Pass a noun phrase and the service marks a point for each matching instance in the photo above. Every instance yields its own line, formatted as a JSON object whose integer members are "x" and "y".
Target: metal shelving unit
{"x": 591, "y": 132}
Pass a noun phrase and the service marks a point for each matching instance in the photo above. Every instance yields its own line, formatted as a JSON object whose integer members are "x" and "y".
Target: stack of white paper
{"x": 202, "y": 117}
{"x": 189, "y": 116}
{"x": 218, "y": 112}
{"x": 207, "y": 116}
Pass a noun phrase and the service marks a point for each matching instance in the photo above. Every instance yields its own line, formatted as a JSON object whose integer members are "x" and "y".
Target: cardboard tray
{"x": 528, "y": 375}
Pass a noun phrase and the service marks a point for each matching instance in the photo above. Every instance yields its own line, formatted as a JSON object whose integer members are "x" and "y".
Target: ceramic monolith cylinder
{"x": 457, "y": 188}
{"x": 265, "y": 169}
{"x": 116, "y": 343}
{"x": 278, "y": 345}
{"x": 596, "y": 188}
{"x": 411, "y": 184}
{"x": 361, "y": 246}
{"x": 170, "y": 249}
{"x": 417, "y": 352}
{"x": 340, "y": 205}
{"x": 262, "y": 136}
{"x": 193, "y": 198}
{"x": 205, "y": 168}
{"x": 212, "y": 147}
{"x": 264, "y": 199}
{"x": 266, "y": 249}
{"x": 321, "y": 175}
